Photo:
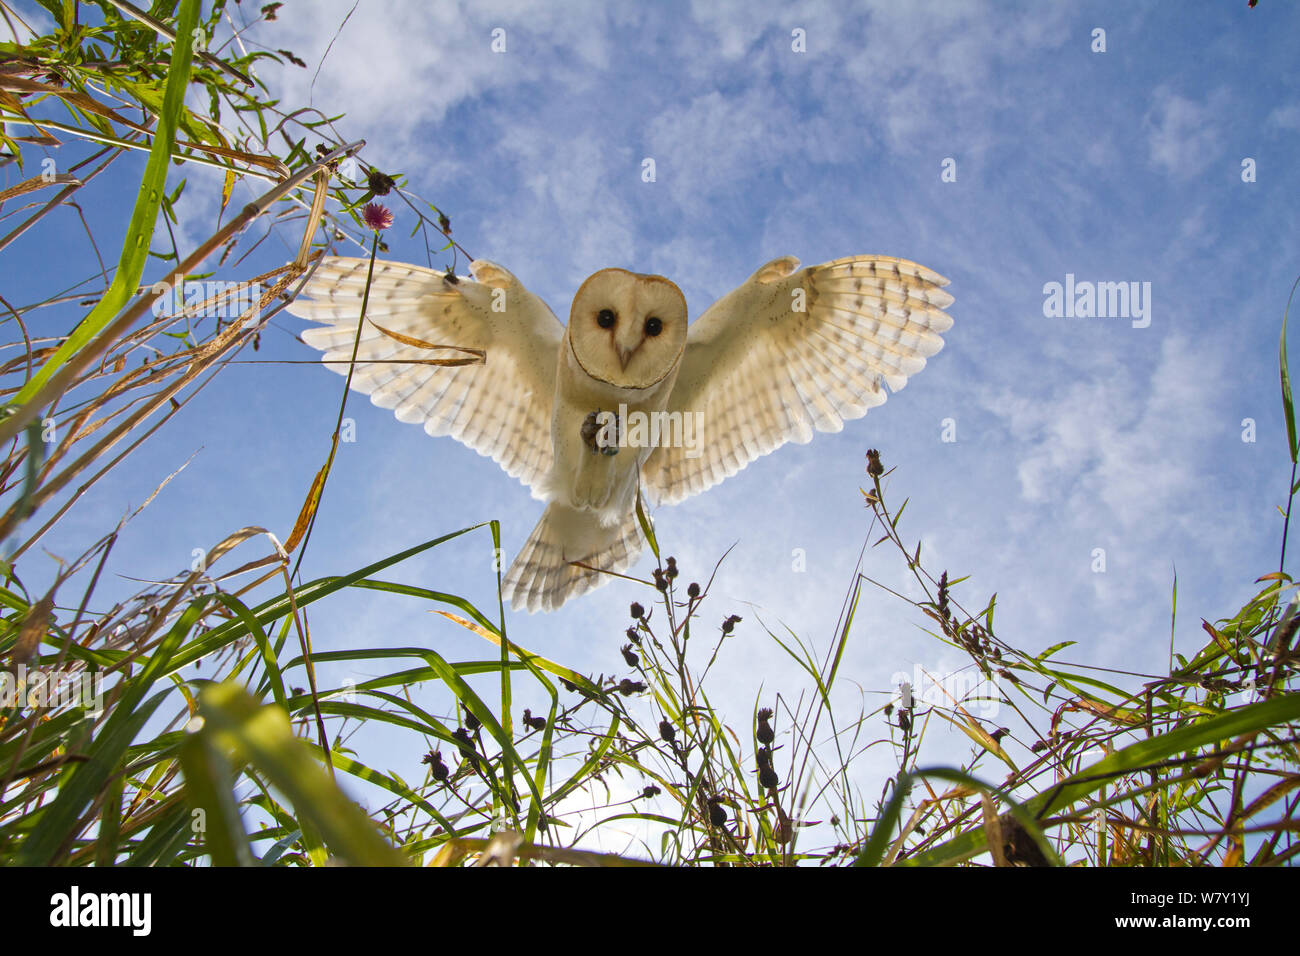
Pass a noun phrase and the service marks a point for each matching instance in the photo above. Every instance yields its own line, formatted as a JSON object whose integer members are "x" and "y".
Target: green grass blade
{"x": 263, "y": 736}
{"x": 466, "y": 695}
{"x": 1144, "y": 753}
{"x": 61, "y": 820}
{"x": 208, "y": 791}
{"x": 139, "y": 234}
{"x": 874, "y": 852}
{"x": 1288, "y": 404}
{"x": 278, "y": 607}
{"x": 646, "y": 527}
{"x": 263, "y": 643}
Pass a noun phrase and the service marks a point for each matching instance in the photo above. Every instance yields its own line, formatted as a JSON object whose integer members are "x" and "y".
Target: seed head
{"x": 434, "y": 759}
{"x": 381, "y": 184}
{"x": 874, "y": 468}
{"x": 717, "y": 815}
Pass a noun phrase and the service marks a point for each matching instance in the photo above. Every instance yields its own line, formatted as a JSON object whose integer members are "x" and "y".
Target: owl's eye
{"x": 605, "y": 319}
{"x": 653, "y": 325}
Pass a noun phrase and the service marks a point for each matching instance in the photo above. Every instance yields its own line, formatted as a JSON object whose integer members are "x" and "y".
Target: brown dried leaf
{"x": 308, "y": 509}
{"x": 480, "y": 354}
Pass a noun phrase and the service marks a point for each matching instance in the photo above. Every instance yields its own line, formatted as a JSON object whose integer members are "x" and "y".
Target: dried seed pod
{"x": 467, "y": 752}
{"x": 764, "y": 733}
{"x": 667, "y": 731}
{"x": 629, "y": 655}
{"x": 629, "y": 687}
{"x": 874, "y": 468}
{"x": 434, "y": 759}
{"x": 1018, "y": 846}
{"x": 717, "y": 814}
{"x": 381, "y": 184}
{"x": 638, "y": 612}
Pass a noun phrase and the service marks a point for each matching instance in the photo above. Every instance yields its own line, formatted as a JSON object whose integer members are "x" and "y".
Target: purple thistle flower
{"x": 377, "y": 217}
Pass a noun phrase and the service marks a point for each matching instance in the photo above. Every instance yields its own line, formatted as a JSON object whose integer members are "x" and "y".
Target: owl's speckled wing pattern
{"x": 501, "y": 409}
{"x": 764, "y": 372}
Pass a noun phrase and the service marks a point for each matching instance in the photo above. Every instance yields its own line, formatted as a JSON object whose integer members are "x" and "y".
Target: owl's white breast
{"x": 585, "y": 478}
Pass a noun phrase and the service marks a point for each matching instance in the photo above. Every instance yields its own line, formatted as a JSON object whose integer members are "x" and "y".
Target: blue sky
{"x": 1072, "y": 434}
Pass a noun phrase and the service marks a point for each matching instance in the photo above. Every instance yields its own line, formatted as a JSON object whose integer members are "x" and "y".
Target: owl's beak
{"x": 625, "y": 350}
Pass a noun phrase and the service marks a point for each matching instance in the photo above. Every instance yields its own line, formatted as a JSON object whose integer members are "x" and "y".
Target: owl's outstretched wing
{"x": 501, "y": 408}
{"x": 793, "y": 350}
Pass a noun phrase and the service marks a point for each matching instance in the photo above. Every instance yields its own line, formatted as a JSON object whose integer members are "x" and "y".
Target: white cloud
{"x": 1284, "y": 117}
{"x": 717, "y": 142}
{"x": 1123, "y": 444}
{"x": 1183, "y": 135}
{"x": 395, "y": 68}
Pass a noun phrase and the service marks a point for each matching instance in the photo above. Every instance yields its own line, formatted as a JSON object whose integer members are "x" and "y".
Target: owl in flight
{"x": 626, "y": 399}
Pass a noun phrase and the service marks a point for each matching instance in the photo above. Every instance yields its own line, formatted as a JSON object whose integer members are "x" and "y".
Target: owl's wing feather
{"x": 501, "y": 409}
{"x": 792, "y": 351}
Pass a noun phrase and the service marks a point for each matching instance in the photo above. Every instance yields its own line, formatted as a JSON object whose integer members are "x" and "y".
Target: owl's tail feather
{"x": 542, "y": 577}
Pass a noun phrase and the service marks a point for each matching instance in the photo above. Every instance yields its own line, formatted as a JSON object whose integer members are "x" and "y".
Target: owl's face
{"x": 627, "y": 329}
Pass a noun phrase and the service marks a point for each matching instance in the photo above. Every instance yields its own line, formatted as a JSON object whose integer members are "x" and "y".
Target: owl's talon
{"x": 594, "y": 435}
{"x": 589, "y": 430}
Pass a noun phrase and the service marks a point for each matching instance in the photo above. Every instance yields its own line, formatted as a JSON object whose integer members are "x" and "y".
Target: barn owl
{"x": 625, "y": 399}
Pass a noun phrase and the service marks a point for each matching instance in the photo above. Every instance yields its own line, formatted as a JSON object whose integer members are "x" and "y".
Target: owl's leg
{"x": 603, "y": 479}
